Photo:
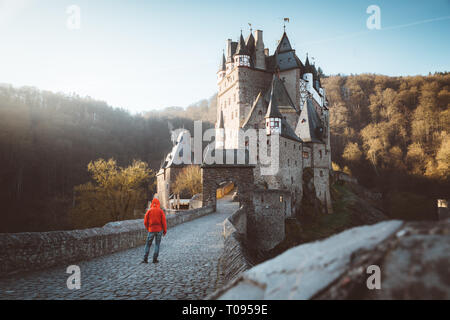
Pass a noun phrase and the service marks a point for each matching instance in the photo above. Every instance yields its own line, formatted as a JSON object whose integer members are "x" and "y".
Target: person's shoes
{"x": 144, "y": 261}
{"x": 155, "y": 261}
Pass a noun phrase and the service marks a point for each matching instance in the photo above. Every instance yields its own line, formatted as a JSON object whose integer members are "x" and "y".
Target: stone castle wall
{"x": 266, "y": 226}
{"x": 164, "y": 184}
{"x": 21, "y": 252}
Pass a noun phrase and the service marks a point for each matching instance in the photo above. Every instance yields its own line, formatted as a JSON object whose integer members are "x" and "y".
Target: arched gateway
{"x": 241, "y": 175}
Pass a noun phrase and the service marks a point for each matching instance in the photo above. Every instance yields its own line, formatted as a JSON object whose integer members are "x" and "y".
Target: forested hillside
{"x": 205, "y": 110}
{"x": 46, "y": 143}
{"x": 392, "y": 133}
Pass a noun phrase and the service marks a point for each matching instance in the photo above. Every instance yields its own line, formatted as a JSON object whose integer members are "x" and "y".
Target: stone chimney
{"x": 260, "y": 62}
{"x": 228, "y": 51}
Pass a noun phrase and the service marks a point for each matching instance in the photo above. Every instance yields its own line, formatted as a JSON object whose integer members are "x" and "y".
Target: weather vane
{"x": 285, "y": 20}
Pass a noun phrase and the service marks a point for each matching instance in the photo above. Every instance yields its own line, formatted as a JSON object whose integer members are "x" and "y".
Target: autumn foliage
{"x": 188, "y": 182}
{"x": 392, "y": 133}
{"x": 113, "y": 194}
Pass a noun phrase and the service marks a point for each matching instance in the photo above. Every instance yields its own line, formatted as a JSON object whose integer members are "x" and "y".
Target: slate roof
{"x": 250, "y": 42}
{"x": 309, "y": 127}
{"x": 272, "y": 109}
{"x": 281, "y": 96}
{"x": 220, "y": 124}
{"x": 259, "y": 98}
{"x": 242, "y": 47}
{"x": 284, "y": 45}
{"x": 288, "y": 132}
{"x": 223, "y": 64}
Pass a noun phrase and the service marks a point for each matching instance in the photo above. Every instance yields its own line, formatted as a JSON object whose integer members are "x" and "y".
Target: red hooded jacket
{"x": 155, "y": 219}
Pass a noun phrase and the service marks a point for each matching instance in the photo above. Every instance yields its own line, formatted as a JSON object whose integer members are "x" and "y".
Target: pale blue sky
{"x": 143, "y": 55}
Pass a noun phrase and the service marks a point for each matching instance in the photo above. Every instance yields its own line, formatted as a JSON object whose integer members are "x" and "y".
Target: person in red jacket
{"x": 155, "y": 223}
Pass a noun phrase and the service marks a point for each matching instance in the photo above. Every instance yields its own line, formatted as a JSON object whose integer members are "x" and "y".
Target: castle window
{"x": 296, "y": 162}
{"x": 292, "y": 180}
{"x": 281, "y": 198}
{"x": 260, "y": 113}
{"x": 285, "y": 144}
{"x": 288, "y": 162}
{"x": 321, "y": 173}
{"x": 255, "y": 126}
{"x": 262, "y": 199}
{"x": 320, "y": 154}
{"x": 276, "y": 124}
{"x": 305, "y": 155}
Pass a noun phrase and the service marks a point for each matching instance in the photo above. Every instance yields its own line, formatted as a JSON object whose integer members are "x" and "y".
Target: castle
{"x": 281, "y": 96}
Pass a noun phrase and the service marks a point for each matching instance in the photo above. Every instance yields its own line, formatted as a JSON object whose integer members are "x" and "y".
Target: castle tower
{"x": 242, "y": 56}
{"x": 273, "y": 116}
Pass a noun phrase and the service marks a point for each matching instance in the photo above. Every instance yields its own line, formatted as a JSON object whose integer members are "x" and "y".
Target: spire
{"x": 220, "y": 124}
{"x": 284, "y": 45}
{"x": 250, "y": 43}
{"x": 272, "y": 109}
{"x": 242, "y": 48}
{"x": 308, "y": 66}
{"x": 223, "y": 66}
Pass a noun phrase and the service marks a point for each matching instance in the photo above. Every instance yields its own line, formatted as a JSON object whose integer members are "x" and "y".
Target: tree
{"x": 114, "y": 193}
{"x": 352, "y": 152}
{"x": 188, "y": 181}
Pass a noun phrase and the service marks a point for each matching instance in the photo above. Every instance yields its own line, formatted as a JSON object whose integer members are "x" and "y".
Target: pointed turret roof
{"x": 272, "y": 109}
{"x": 259, "y": 99}
{"x": 220, "y": 124}
{"x": 242, "y": 48}
{"x": 250, "y": 42}
{"x": 222, "y": 67}
{"x": 308, "y": 66}
{"x": 309, "y": 127}
{"x": 284, "y": 45}
{"x": 280, "y": 94}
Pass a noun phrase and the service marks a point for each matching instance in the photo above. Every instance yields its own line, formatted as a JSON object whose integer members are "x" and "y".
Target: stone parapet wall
{"x": 412, "y": 259}
{"x": 233, "y": 260}
{"x": 29, "y": 251}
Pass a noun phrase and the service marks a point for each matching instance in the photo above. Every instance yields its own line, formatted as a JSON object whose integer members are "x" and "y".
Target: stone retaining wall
{"x": 233, "y": 261}
{"x": 39, "y": 250}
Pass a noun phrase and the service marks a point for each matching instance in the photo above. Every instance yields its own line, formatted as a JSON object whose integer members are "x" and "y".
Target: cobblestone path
{"x": 187, "y": 269}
